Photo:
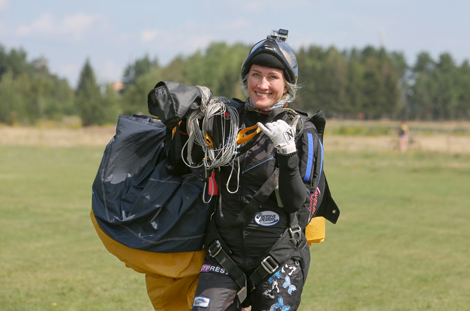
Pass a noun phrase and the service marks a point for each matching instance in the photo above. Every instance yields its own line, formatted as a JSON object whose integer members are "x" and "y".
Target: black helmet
{"x": 273, "y": 52}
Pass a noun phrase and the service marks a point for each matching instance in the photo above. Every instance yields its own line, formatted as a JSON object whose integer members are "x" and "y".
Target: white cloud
{"x": 79, "y": 24}
{"x": 258, "y": 5}
{"x": 149, "y": 35}
{"x": 4, "y": 4}
{"x": 73, "y": 26}
{"x": 42, "y": 25}
{"x": 240, "y": 23}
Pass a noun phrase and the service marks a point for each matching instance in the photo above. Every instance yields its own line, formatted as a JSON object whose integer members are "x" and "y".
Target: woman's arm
{"x": 292, "y": 189}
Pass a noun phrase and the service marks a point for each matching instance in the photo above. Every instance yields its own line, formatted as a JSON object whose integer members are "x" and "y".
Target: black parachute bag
{"x": 137, "y": 203}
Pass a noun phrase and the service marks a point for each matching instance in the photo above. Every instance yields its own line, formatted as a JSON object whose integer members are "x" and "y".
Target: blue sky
{"x": 114, "y": 33}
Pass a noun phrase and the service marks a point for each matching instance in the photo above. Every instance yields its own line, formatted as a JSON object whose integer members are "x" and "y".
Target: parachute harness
{"x": 223, "y": 152}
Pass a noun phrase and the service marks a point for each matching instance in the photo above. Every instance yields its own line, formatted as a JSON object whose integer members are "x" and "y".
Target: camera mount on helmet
{"x": 275, "y": 45}
{"x": 279, "y": 35}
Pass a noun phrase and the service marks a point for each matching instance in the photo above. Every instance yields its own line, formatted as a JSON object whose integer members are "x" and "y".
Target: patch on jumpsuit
{"x": 284, "y": 274}
{"x": 202, "y": 302}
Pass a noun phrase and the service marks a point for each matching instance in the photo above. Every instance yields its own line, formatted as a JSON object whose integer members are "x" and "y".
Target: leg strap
{"x": 216, "y": 251}
{"x": 291, "y": 244}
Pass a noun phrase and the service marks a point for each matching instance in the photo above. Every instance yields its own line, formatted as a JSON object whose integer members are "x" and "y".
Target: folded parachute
{"x": 137, "y": 203}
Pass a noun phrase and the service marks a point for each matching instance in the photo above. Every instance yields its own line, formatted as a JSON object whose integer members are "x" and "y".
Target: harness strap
{"x": 218, "y": 250}
{"x": 290, "y": 244}
{"x": 258, "y": 199}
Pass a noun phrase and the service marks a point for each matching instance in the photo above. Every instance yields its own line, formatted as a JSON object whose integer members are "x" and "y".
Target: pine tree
{"x": 88, "y": 98}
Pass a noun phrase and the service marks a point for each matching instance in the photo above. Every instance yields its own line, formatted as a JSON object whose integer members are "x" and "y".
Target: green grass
{"x": 401, "y": 242}
{"x": 50, "y": 255}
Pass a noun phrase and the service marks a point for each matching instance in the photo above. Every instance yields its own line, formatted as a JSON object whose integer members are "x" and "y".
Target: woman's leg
{"x": 216, "y": 290}
{"x": 281, "y": 291}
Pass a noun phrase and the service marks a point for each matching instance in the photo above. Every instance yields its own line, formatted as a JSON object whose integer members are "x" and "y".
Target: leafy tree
{"x": 218, "y": 68}
{"x": 463, "y": 106}
{"x": 371, "y": 80}
{"x": 332, "y": 85}
{"x": 111, "y": 104}
{"x": 420, "y": 96}
{"x": 174, "y": 71}
{"x": 390, "y": 89}
{"x": 34, "y": 92}
{"x": 14, "y": 61}
{"x": 139, "y": 78}
{"x": 354, "y": 86}
{"x": 310, "y": 64}
{"x": 12, "y": 104}
{"x": 139, "y": 68}
{"x": 373, "y": 92}
{"x": 445, "y": 103}
{"x": 135, "y": 97}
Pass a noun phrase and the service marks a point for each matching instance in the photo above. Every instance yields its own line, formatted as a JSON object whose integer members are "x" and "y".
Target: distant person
{"x": 403, "y": 136}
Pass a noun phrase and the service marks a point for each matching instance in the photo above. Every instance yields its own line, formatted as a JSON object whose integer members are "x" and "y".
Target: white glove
{"x": 281, "y": 134}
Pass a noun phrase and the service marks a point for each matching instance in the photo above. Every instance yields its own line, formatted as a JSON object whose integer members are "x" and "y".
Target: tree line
{"x": 368, "y": 83}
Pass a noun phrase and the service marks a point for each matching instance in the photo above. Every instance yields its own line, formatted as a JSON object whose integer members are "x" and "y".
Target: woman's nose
{"x": 263, "y": 84}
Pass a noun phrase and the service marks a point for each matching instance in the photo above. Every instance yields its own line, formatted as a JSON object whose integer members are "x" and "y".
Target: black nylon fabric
{"x": 172, "y": 101}
{"x": 137, "y": 203}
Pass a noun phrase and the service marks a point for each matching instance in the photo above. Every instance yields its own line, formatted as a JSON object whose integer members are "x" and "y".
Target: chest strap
{"x": 258, "y": 199}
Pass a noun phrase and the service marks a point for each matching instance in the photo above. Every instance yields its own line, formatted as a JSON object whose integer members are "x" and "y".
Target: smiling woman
{"x": 266, "y": 86}
{"x": 257, "y": 234}
{"x": 260, "y": 200}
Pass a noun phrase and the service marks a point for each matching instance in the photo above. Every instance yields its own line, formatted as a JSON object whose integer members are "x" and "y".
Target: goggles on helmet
{"x": 275, "y": 45}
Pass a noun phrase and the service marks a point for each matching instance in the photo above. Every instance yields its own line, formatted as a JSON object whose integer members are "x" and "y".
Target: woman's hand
{"x": 281, "y": 134}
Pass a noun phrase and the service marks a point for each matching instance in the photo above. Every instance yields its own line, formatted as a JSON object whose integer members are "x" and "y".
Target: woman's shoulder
{"x": 237, "y": 104}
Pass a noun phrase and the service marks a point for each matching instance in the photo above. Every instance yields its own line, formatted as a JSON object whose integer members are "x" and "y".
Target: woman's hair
{"x": 289, "y": 96}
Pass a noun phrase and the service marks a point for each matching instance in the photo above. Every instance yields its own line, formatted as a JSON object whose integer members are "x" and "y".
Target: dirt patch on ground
{"x": 22, "y": 136}
{"x": 100, "y": 136}
{"x": 435, "y": 143}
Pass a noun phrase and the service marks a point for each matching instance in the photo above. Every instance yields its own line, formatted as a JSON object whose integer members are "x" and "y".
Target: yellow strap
{"x": 241, "y": 138}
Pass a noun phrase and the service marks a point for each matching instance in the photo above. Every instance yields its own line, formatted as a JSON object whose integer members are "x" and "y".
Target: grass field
{"x": 401, "y": 242}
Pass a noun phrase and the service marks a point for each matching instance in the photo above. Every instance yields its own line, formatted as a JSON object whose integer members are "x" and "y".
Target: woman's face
{"x": 266, "y": 86}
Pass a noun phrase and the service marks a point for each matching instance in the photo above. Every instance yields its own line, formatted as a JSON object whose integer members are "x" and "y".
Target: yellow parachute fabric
{"x": 171, "y": 278}
{"x": 315, "y": 230}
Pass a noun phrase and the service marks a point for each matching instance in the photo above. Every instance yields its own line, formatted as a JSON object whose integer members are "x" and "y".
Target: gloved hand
{"x": 281, "y": 134}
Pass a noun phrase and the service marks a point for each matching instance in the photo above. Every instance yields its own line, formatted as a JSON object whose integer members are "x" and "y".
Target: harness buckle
{"x": 214, "y": 248}
{"x": 295, "y": 233}
{"x": 269, "y": 264}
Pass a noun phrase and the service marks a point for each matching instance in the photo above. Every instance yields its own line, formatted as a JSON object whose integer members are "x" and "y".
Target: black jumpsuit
{"x": 299, "y": 174}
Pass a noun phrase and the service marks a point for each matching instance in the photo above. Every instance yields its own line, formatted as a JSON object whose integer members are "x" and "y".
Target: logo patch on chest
{"x": 267, "y": 218}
